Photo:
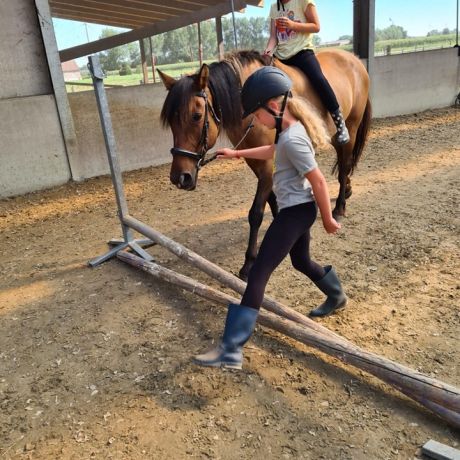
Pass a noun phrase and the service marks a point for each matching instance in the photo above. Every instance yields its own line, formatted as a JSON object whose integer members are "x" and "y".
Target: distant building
{"x": 71, "y": 71}
{"x": 335, "y": 43}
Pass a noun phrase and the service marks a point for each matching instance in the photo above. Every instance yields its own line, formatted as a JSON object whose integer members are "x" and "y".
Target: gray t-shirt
{"x": 293, "y": 159}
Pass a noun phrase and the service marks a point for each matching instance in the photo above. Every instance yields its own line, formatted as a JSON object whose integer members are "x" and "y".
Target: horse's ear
{"x": 202, "y": 77}
{"x": 166, "y": 79}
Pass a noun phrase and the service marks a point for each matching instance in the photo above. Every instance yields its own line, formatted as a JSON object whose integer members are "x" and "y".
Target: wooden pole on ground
{"x": 221, "y": 275}
{"x": 440, "y": 398}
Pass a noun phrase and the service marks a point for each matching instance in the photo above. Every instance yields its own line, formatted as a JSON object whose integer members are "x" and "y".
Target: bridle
{"x": 201, "y": 157}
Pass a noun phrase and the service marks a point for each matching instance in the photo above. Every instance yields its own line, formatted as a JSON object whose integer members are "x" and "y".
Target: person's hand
{"x": 284, "y": 23}
{"x": 226, "y": 153}
{"x": 331, "y": 225}
{"x": 268, "y": 52}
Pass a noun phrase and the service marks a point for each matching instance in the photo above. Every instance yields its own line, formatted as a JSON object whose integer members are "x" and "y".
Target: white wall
{"x": 413, "y": 82}
{"x": 23, "y": 67}
{"x": 135, "y": 113}
{"x": 32, "y": 151}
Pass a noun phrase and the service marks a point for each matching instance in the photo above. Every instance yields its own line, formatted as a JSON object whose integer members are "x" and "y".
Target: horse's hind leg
{"x": 344, "y": 164}
{"x": 256, "y": 213}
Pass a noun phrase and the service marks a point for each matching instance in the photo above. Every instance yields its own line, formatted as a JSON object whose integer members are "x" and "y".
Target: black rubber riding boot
{"x": 336, "y": 298}
{"x": 342, "y": 135}
{"x": 239, "y": 325}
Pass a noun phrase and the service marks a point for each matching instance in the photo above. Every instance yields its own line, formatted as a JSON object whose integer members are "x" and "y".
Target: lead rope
{"x": 215, "y": 154}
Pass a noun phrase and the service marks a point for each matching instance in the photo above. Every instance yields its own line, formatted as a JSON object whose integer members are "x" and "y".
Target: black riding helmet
{"x": 265, "y": 84}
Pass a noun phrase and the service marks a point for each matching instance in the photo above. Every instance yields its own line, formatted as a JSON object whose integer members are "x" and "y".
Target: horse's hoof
{"x": 337, "y": 216}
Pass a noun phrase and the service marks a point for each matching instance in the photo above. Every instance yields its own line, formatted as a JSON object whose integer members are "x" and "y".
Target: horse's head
{"x": 188, "y": 110}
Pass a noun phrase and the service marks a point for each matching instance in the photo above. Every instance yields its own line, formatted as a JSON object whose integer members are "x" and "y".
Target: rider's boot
{"x": 239, "y": 325}
{"x": 342, "y": 136}
{"x": 336, "y": 298}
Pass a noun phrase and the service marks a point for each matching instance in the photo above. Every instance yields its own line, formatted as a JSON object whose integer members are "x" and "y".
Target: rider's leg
{"x": 306, "y": 61}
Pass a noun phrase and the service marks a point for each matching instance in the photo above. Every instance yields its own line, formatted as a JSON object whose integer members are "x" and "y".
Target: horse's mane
{"x": 225, "y": 87}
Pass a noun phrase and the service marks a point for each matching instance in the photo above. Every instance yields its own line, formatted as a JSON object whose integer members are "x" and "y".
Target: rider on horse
{"x": 293, "y": 23}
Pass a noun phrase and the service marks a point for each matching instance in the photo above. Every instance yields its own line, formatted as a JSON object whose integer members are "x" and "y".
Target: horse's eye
{"x": 196, "y": 116}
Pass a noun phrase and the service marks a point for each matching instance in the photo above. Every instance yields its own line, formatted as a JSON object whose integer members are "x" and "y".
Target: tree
{"x": 251, "y": 33}
{"x": 157, "y": 48}
{"x": 125, "y": 69}
{"x": 390, "y": 33}
{"x": 134, "y": 53}
{"x": 316, "y": 40}
{"x": 114, "y": 57}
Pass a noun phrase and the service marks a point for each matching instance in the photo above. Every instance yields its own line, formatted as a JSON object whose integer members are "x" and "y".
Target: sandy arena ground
{"x": 95, "y": 363}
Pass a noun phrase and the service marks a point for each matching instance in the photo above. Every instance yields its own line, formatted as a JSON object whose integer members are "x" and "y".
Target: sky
{"x": 417, "y": 17}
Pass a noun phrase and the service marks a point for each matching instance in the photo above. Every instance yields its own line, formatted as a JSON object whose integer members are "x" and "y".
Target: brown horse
{"x": 199, "y": 107}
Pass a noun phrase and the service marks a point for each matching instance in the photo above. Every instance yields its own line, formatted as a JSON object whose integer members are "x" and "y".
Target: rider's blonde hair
{"x": 309, "y": 117}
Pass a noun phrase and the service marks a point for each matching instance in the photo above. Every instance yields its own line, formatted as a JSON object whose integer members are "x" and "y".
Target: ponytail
{"x": 310, "y": 119}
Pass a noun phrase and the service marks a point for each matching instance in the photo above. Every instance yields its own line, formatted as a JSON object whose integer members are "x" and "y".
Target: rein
{"x": 215, "y": 154}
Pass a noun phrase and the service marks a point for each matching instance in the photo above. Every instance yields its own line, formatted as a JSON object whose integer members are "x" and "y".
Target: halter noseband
{"x": 200, "y": 157}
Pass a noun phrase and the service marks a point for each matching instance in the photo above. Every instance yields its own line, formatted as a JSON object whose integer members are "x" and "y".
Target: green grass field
{"x": 173, "y": 70}
{"x": 406, "y": 45}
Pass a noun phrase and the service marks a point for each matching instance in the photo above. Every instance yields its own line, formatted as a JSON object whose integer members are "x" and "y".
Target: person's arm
{"x": 272, "y": 39}
{"x": 321, "y": 192}
{"x": 265, "y": 152}
{"x": 312, "y": 26}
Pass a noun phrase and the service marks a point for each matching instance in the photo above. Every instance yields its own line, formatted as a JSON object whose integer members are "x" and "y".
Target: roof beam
{"x": 149, "y": 31}
{"x": 82, "y": 10}
{"x": 108, "y": 21}
{"x": 173, "y": 7}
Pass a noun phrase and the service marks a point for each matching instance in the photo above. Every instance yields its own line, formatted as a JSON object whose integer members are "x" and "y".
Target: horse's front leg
{"x": 255, "y": 217}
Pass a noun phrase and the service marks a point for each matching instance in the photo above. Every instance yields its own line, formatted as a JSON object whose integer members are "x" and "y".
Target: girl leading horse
{"x": 199, "y": 107}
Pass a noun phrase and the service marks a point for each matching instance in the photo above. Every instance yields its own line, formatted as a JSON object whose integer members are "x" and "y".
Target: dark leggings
{"x": 307, "y": 62}
{"x": 289, "y": 233}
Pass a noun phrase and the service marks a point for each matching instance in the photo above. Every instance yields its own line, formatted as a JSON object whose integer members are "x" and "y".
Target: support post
{"x": 200, "y": 45}
{"x": 235, "y": 38}
{"x": 115, "y": 171}
{"x": 220, "y": 39}
{"x": 364, "y": 30}
{"x": 145, "y": 70}
{"x": 152, "y": 56}
{"x": 57, "y": 79}
{"x": 456, "y": 30}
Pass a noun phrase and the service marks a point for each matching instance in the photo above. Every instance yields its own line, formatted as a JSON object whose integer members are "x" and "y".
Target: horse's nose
{"x": 186, "y": 181}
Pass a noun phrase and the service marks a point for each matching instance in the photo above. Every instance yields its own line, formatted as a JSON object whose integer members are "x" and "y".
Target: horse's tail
{"x": 361, "y": 138}
{"x": 361, "y": 135}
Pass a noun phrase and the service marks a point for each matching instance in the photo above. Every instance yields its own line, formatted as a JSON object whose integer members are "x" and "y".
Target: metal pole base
{"x": 136, "y": 246}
